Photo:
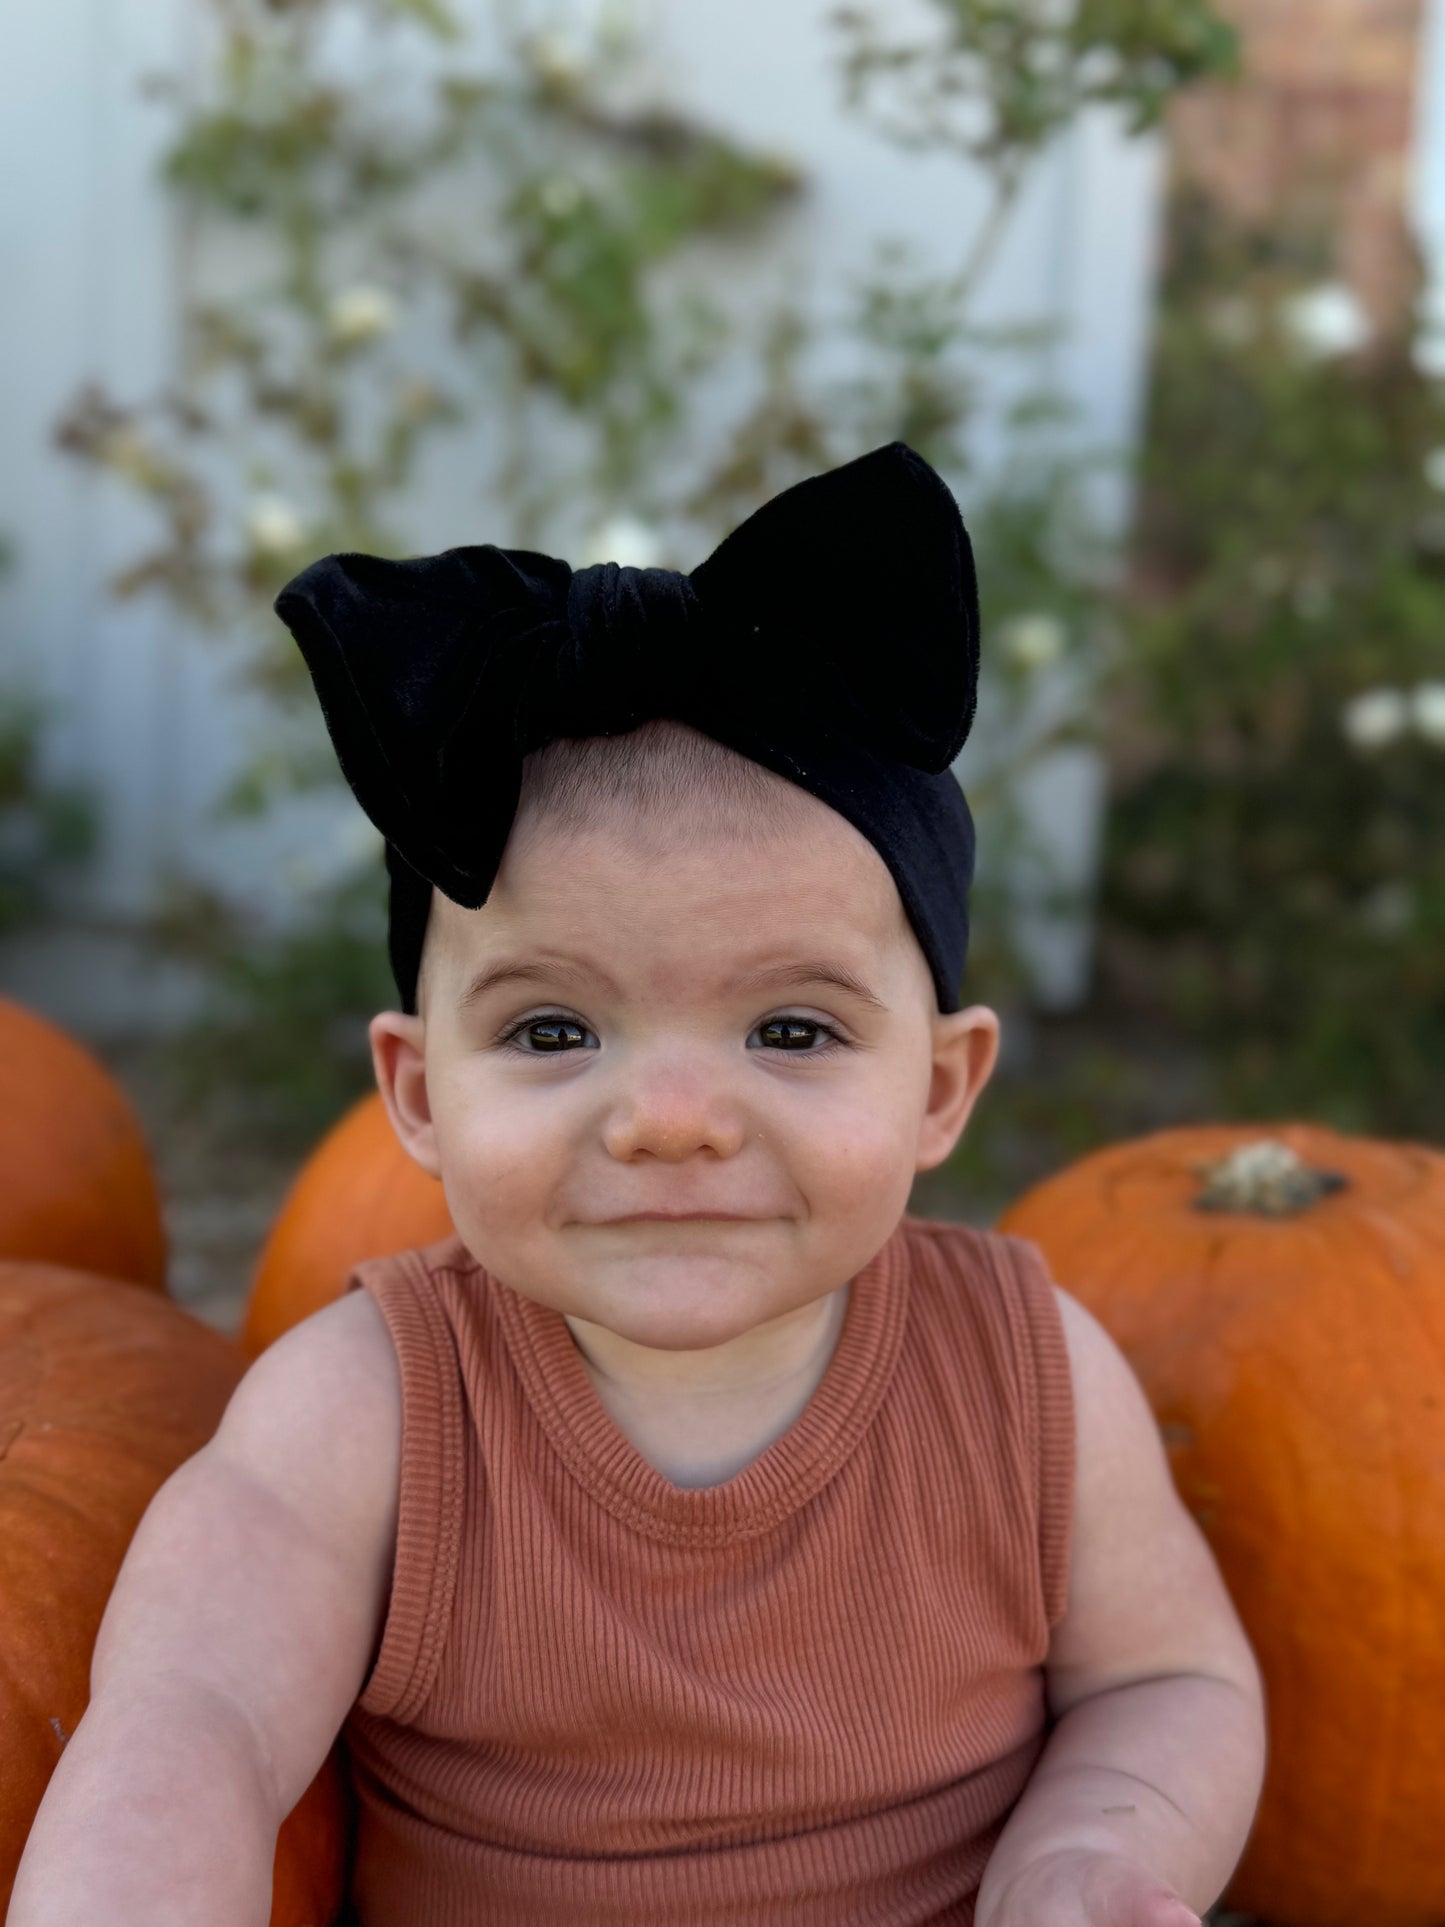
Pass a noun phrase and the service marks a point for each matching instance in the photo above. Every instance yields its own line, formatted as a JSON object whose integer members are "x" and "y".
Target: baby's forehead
{"x": 719, "y": 828}
{"x": 721, "y": 887}
{"x": 667, "y": 796}
{"x": 735, "y": 853}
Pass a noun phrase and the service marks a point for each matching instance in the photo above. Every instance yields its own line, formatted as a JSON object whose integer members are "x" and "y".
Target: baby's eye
{"x": 797, "y": 1034}
{"x": 548, "y": 1034}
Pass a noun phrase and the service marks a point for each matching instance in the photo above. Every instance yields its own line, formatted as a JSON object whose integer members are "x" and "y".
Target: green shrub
{"x": 1275, "y": 874}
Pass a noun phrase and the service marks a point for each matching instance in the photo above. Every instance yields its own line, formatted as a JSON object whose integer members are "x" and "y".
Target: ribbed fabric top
{"x": 809, "y": 1694}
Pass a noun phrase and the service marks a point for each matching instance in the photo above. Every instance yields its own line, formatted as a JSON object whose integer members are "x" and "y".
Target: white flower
{"x": 273, "y": 526}
{"x": 1327, "y": 321}
{"x": 557, "y": 56}
{"x": 615, "y": 23}
{"x": 1427, "y": 711}
{"x": 1034, "y": 641}
{"x": 359, "y": 314}
{"x": 559, "y": 195}
{"x": 1376, "y": 717}
{"x": 1389, "y": 909}
{"x": 625, "y": 540}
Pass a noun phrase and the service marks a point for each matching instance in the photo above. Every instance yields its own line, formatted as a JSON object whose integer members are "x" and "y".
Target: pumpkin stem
{"x": 1265, "y": 1177}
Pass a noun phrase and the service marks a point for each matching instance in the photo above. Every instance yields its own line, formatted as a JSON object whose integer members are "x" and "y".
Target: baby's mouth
{"x": 684, "y": 1217}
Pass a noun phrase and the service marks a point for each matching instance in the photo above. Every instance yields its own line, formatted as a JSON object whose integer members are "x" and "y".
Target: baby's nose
{"x": 672, "y": 1113}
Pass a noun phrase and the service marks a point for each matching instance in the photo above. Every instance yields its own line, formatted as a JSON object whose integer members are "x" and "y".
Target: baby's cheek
{"x": 496, "y": 1173}
{"x": 861, "y": 1156}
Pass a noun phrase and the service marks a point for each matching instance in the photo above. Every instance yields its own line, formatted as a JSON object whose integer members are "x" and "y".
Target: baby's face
{"x": 678, "y": 1083}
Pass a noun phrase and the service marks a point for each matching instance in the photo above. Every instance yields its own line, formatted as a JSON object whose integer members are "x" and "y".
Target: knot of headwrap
{"x": 632, "y": 650}
{"x": 831, "y": 637}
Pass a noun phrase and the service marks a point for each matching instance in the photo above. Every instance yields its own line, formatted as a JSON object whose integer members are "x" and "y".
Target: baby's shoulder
{"x": 318, "y": 1415}
{"x": 342, "y": 1352}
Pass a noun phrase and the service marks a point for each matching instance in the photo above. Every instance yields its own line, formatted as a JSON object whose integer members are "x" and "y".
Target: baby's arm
{"x": 1149, "y": 1781}
{"x": 239, "y": 1632}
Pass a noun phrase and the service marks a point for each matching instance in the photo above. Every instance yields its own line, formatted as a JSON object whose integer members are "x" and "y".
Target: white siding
{"x": 1428, "y": 183}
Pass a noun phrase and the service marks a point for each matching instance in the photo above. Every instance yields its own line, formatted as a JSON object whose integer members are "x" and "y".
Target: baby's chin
{"x": 677, "y": 1302}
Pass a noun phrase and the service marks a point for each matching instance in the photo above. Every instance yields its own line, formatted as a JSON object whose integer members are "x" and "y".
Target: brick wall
{"x": 1321, "y": 124}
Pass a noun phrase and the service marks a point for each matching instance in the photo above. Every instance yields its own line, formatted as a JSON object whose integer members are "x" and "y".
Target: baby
{"x": 694, "y": 1537}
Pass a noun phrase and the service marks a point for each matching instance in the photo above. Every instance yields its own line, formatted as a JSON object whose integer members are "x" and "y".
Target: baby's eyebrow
{"x": 794, "y": 974}
{"x": 527, "y": 971}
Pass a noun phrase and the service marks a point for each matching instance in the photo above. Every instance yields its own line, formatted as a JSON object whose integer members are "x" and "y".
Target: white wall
{"x": 1428, "y": 181}
{"x": 91, "y": 265}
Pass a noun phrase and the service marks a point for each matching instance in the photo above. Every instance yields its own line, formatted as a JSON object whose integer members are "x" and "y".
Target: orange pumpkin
{"x": 1280, "y": 1294}
{"x": 76, "y": 1183}
{"x": 309, "y": 1878}
{"x": 104, "y": 1389}
{"x": 357, "y": 1196}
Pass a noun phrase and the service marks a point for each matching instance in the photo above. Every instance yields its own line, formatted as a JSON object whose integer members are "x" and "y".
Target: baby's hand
{"x": 1083, "y": 1887}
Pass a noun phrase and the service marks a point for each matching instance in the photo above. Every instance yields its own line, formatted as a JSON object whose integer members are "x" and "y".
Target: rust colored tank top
{"x": 810, "y": 1695}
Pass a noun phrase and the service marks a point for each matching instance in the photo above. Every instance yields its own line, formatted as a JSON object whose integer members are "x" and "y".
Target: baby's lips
{"x": 710, "y": 1216}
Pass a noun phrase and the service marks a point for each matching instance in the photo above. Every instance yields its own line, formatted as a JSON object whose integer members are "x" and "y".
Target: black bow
{"x": 844, "y": 611}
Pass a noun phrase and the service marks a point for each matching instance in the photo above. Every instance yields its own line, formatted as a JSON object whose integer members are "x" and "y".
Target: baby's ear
{"x": 398, "y": 1056}
{"x": 965, "y": 1050}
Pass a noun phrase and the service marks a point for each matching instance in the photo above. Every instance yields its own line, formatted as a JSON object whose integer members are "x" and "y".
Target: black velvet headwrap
{"x": 832, "y": 637}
